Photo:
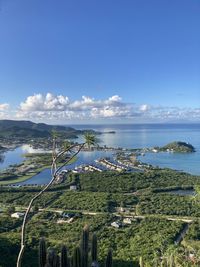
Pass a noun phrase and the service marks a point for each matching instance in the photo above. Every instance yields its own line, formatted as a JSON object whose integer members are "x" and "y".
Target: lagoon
{"x": 15, "y": 156}
{"x": 182, "y": 192}
{"x": 130, "y": 136}
{"x": 84, "y": 157}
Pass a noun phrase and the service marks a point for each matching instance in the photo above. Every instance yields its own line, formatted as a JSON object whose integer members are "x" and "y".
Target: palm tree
{"x": 65, "y": 153}
{"x": 90, "y": 139}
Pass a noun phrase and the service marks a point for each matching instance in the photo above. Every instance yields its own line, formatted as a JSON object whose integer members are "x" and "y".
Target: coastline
{"x": 24, "y": 178}
{"x": 136, "y": 136}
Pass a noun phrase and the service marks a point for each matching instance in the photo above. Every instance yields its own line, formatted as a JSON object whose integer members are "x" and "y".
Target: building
{"x": 116, "y": 224}
{"x": 59, "y": 221}
{"x": 127, "y": 221}
{"x": 17, "y": 215}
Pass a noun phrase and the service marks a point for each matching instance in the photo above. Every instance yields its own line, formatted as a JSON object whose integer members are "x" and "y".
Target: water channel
{"x": 16, "y": 157}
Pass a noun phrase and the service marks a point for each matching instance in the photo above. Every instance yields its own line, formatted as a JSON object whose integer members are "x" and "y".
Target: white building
{"x": 59, "y": 221}
{"x": 17, "y": 215}
{"x": 115, "y": 224}
{"x": 154, "y": 150}
{"x": 127, "y": 220}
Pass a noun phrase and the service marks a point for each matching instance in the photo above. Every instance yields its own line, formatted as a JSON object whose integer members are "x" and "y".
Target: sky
{"x": 100, "y": 61}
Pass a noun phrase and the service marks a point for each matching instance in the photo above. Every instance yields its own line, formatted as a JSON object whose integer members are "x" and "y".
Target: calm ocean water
{"x": 131, "y": 136}
{"x": 149, "y": 135}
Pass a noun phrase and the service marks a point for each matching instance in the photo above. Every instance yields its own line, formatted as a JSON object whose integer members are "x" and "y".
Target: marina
{"x": 132, "y": 153}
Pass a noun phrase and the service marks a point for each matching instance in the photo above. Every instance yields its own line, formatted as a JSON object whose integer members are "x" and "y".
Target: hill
{"x": 28, "y": 129}
{"x": 178, "y": 146}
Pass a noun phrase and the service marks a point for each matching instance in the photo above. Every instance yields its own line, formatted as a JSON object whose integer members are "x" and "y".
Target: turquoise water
{"x": 150, "y": 135}
{"x": 146, "y": 135}
{"x": 83, "y": 158}
{"x": 132, "y": 136}
{"x": 11, "y": 157}
{"x": 15, "y": 156}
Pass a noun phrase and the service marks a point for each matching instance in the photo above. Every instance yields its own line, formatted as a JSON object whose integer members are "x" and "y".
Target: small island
{"x": 109, "y": 132}
{"x": 177, "y": 146}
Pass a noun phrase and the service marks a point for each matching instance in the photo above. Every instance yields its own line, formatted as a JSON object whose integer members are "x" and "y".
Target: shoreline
{"x": 119, "y": 150}
{"x": 20, "y": 179}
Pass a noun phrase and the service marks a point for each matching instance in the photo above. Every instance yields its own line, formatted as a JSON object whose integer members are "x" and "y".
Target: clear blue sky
{"x": 145, "y": 51}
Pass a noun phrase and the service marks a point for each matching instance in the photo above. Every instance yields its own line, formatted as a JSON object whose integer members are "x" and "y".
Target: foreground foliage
{"x": 98, "y": 203}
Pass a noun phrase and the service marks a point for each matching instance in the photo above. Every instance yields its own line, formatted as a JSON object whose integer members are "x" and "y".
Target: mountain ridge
{"x": 25, "y": 128}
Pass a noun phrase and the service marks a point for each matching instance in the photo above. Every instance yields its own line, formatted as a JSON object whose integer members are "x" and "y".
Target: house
{"x": 154, "y": 150}
{"x": 116, "y": 224}
{"x": 121, "y": 209}
{"x": 127, "y": 221}
{"x": 17, "y": 215}
{"x": 59, "y": 221}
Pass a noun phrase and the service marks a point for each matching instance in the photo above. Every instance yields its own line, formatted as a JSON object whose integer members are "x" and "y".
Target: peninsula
{"x": 28, "y": 129}
{"x": 178, "y": 146}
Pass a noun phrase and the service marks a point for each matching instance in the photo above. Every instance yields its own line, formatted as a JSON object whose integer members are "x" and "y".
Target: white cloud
{"x": 4, "y": 107}
{"x": 144, "y": 107}
{"x": 85, "y": 103}
{"x": 59, "y": 109}
{"x": 107, "y": 112}
{"x": 115, "y": 98}
{"x": 38, "y": 102}
{"x": 4, "y": 111}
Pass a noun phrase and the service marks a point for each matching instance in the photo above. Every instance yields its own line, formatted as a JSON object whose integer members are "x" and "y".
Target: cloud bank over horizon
{"x": 60, "y": 109}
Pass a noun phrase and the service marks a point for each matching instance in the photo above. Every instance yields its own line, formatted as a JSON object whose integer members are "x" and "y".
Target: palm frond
{"x": 90, "y": 139}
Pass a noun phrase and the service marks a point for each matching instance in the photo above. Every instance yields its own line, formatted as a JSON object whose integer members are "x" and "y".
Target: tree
{"x": 66, "y": 154}
{"x": 10, "y": 210}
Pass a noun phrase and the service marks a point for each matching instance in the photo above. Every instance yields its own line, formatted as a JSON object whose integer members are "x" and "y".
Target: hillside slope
{"x": 28, "y": 129}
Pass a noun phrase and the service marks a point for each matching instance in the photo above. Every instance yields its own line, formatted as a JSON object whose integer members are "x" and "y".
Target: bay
{"x": 151, "y": 135}
{"x": 85, "y": 157}
{"x": 131, "y": 136}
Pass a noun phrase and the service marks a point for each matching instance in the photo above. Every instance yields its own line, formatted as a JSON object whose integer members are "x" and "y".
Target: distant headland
{"x": 176, "y": 146}
{"x": 29, "y": 129}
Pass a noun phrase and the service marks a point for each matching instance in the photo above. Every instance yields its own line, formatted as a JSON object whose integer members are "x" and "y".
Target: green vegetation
{"x": 168, "y": 204}
{"x": 44, "y": 159}
{"x": 194, "y": 231}
{"x": 130, "y": 182}
{"x": 27, "y": 129}
{"x": 180, "y": 147}
{"x": 23, "y": 198}
{"x": 66, "y": 155}
{"x": 7, "y": 223}
{"x": 12, "y": 179}
{"x": 89, "y": 201}
{"x": 145, "y": 197}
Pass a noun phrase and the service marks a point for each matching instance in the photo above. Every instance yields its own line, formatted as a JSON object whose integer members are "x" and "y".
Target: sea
{"x": 151, "y": 135}
{"x": 130, "y": 136}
